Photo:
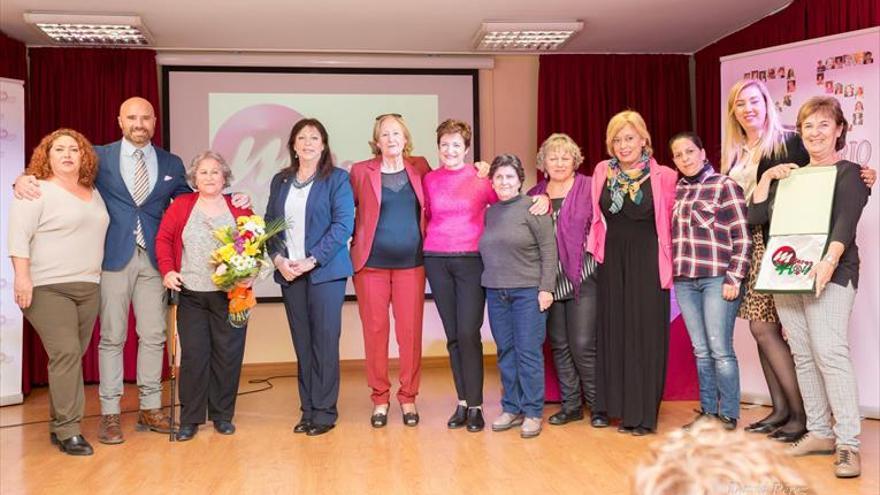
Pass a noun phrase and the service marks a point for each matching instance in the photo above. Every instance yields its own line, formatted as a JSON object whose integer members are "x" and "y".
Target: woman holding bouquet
{"x": 212, "y": 349}
{"x": 312, "y": 265}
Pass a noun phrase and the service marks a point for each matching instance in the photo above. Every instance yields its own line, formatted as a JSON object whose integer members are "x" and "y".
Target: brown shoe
{"x": 109, "y": 430}
{"x": 153, "y": 420}
{"x": 848, "y": 463}
{"x": 810, "y": 444}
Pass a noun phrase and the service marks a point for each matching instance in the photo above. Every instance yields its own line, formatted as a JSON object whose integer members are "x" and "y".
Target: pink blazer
{"x": 366, "y": 183}
{"x": 663, "y": 182}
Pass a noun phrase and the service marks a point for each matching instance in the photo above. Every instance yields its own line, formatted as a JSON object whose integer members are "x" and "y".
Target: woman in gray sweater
{"x": 519, "y": 259}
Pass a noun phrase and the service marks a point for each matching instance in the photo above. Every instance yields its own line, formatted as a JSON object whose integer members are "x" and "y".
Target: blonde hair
{"x": 374, "y": 147}
{"x": 772, "y": 142}
{"x": 619, "y": 121}
{"x": 560, "y": 142}
{"x": 709, "y": 460}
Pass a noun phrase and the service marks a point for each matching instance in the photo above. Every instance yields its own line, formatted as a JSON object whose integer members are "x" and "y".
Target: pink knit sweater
{"x": 455, "y": 204}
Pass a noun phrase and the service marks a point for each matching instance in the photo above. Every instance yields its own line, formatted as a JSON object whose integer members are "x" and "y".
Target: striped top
{"x": 564, "y": 288}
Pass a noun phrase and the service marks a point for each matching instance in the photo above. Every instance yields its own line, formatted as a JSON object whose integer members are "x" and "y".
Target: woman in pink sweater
{"x": 456, "y": 198}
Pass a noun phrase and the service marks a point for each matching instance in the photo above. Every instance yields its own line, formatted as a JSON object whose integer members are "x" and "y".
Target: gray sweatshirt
{"x": 518, "y": 248}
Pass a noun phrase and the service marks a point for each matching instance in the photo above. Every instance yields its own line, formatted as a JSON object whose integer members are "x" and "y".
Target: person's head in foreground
{"x": 708, "y": 460}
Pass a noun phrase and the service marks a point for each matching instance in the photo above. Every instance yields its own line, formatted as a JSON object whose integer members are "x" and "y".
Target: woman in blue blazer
{"x": 312, "y": 264}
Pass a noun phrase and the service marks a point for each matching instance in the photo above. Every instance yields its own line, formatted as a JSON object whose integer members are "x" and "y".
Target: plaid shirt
{"x": 710, "y": 235}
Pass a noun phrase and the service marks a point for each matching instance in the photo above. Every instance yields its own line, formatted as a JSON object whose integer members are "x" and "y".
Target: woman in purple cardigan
{"x": 571, "y": 325}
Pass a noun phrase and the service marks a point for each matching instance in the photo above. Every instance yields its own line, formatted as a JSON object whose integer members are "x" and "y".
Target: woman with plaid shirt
{"x": 710, "y": 245}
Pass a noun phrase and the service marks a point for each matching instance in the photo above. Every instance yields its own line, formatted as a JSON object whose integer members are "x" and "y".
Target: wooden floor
{"x": 264, "y": 456}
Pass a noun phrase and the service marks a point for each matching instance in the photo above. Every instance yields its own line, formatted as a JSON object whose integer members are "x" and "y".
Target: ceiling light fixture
{"x": 91, "y": 29}
{"x": 525, "y": 36}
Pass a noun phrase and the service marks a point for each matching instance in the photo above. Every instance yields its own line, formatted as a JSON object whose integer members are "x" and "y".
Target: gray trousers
{"x": 64, "y": 318}
{"x": 139, "y": 285}
{"x": 817, "y": 334}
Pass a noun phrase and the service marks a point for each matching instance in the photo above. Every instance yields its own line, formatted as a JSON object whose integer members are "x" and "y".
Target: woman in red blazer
{"x": 386, "y": 251}
{"x": 211, "y": 349}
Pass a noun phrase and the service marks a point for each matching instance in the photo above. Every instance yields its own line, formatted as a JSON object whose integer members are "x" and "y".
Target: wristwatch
{"x": 830, "y": 259}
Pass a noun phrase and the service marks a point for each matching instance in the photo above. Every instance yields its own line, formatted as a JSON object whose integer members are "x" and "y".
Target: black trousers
{"x": 571, "y": 330}
{"x": 460, "y": 299}
{"x": 314, "y": 313}
{"x": 211, "y": 355}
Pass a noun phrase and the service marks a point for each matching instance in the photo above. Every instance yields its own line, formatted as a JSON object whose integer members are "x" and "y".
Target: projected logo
{"x": 254, "y": 143}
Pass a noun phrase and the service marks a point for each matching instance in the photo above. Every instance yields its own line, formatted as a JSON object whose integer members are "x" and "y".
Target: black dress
{"x": 633, "y": 333}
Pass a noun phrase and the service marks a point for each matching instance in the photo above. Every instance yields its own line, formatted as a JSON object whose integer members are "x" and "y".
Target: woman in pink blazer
{"x": 631, "y": 238}
{"x": 386, "y": 251}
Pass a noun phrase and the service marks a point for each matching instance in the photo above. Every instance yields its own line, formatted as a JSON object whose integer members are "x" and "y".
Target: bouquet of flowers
{"x": 240, "y": 260}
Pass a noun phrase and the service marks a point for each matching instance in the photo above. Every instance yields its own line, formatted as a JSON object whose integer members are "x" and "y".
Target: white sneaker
{"x": 531, "y": 428}
{"x": 810, "y": 444}
{"x": 507, "y": 421}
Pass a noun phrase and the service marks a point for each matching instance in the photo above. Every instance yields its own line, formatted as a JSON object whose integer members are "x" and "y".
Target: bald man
{"x": 137, "y": 182}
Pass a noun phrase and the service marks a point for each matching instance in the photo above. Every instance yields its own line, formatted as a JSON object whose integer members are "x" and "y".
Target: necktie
{"x": 140, "y": 192}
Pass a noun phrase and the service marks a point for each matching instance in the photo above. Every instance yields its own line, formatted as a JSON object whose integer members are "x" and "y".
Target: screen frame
{"x": 475, "y": 89}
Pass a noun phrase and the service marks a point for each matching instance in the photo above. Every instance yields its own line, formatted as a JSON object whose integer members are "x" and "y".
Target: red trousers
{"x": 404, "y": 291}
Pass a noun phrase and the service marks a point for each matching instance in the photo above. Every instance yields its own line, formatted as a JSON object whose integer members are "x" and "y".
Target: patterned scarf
{"x": 621, "y": 182}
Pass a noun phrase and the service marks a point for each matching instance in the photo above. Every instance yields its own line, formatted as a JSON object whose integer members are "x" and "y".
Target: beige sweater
{"x": 62, "y": 235}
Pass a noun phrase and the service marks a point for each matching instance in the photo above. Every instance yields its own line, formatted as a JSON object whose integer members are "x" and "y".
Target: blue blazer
{"x": 119, "y": 243}
{"x": 329, "y": 224}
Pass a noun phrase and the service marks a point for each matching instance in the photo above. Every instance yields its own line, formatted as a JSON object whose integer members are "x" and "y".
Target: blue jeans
{"x": 519, "y": 328}
{"x": 710, "y": 319}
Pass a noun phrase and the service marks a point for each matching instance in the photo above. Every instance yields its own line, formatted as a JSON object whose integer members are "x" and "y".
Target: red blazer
{"x": 169, "y": 240}
{"x": 366, "y": 182}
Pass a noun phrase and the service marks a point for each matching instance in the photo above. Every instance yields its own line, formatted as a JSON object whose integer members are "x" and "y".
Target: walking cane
{"x": 173, "y": 301}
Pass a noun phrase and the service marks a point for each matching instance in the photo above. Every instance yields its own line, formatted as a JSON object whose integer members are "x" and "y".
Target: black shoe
{"x": 727, "y": 422}
{"x": 458, "y": 418}
{"x": 303, "y": 426}
{"x": 701, "y": 416}
{"x": 640, "y": 431}
{"x": 475, "y": 421}
{"x": 625, "y": 429}
{"x": 224, "y": 427}
{"x": 599, "y": 420}
{"x": 411, "y": 419}
{"x": 379, "y": 420}
{"x": 76, "y": 445}
{"x": 563, "y": 417}
{"x": 787, "y": 437}
{"x": 53, "y": 439}
{"x": 765, "y": 426}
{"x": 186, "y": 432}
{"x": 316, "y": 429}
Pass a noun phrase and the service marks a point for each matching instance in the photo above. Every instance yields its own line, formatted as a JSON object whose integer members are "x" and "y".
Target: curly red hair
{"x": 88, "y": 168}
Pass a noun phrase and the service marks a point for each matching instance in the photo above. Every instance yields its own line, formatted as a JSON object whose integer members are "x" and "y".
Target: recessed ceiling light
{"x": 91, "y": 30}
{"x": 525, "y": 36}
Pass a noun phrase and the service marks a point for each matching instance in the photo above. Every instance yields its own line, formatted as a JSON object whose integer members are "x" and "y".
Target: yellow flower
{"x": 224, "y": 252}
{"x": 250, "y": 249}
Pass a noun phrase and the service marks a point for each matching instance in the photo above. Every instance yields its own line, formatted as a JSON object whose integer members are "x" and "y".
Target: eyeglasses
{"x": 396, "y": 115}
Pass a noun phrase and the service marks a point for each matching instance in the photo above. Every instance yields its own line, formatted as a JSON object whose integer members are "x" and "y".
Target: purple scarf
{"x": 572, "y": 227}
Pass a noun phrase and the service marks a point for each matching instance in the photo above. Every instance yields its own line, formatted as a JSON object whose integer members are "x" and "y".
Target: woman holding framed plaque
{"x": 817, "y": 322}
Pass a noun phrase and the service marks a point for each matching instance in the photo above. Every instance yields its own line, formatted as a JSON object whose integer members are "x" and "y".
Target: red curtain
{"x": 802, "y": 20}
{"x": 82, "y": 88}
{"x": 578, "y": 94}
{"x": 13, "y": 63}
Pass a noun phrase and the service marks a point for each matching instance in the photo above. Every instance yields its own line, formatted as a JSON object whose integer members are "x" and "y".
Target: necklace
{"x": 300, "y": 185}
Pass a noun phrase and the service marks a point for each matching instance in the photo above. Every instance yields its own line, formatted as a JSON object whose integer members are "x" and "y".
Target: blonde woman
{"x": 630, "y": 237}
